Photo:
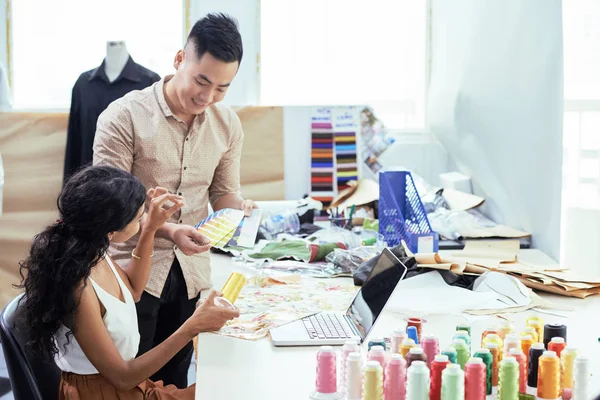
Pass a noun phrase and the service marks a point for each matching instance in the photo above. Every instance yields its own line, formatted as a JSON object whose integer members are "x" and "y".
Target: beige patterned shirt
{"x": 139, "y": 134}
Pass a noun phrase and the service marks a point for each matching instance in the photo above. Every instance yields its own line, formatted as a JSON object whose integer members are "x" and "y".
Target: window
{"x": 340, "y": 52}
{"x": 53, "y": 42}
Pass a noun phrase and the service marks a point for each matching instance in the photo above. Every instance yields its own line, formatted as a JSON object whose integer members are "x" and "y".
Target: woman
{"x": 80, "y": 305}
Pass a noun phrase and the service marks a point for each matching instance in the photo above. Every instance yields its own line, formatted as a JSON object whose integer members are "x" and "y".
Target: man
{"x": 175, "y": 135}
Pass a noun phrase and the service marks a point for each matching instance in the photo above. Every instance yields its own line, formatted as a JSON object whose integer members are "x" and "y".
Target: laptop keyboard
{"x": 327, "y": 326}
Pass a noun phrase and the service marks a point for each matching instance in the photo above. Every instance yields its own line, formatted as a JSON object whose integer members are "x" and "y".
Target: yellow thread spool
{"x": 530, "y": 330}
{"x": 233, "y": 286}
{"x": 567, "y": 357}
{"x": 406, "y": 345}
{"x": 538, "y": 324}
{"x": 549, "y": 376}
{"x": 496, "y": 339}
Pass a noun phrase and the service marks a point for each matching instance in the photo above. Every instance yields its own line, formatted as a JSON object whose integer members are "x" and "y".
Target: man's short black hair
{"x": 217, "y": 34}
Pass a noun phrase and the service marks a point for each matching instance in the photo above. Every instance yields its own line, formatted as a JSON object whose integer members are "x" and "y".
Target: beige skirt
{"x": 96, "y": 387}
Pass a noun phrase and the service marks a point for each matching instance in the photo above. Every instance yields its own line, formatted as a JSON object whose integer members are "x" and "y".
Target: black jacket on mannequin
{"x": 92, "y": 94}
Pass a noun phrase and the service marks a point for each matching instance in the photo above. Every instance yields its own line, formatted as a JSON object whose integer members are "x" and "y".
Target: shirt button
{"x": 180, "y": 221}
{"x": 174, "y": 247}
{"x": 180, "y": 193}
{"x": 187, "y": 139}
{"x": 184, "y": 168}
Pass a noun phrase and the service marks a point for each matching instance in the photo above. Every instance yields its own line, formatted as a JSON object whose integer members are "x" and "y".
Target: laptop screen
{"x": 375, "y": 292}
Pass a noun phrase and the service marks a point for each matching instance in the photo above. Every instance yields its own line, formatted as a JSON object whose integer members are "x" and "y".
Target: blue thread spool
{"x": 377, "y": 342}
{"x": 411, "y": 331}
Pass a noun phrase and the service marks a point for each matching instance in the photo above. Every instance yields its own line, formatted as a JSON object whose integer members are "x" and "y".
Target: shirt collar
{"x": 130, "y": 72}
{"x": 162, "y": 101}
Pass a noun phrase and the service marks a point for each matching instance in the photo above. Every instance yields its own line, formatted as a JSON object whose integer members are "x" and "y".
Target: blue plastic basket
{"x": 402, "y": 215}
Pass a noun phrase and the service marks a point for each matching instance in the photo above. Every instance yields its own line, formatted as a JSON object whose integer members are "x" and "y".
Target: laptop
{"x": 335, "y": 328}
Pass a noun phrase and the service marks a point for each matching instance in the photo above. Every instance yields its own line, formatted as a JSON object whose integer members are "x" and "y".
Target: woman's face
{"x": 130, "y": 230}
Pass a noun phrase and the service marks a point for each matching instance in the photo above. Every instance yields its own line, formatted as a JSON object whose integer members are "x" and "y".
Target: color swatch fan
{"x": 229, "y": 227}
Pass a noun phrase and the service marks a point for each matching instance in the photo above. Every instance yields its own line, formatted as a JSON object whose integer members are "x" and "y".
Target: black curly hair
{"x": 94, "y": 202}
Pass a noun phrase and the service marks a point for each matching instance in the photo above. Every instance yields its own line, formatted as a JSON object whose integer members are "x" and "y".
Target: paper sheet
{"x": 461, "y": 201}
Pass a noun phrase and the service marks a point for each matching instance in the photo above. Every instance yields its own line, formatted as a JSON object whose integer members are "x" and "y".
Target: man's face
{"x": 200, "y": 82}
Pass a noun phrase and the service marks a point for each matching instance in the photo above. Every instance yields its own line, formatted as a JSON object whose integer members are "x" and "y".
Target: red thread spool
{"x": 522, "y": 360}
{"x": 417, "y": 323}
{"x": 475, "y": 376}
{"x": 437, "y": 366}
{"x": 557, "y": 345}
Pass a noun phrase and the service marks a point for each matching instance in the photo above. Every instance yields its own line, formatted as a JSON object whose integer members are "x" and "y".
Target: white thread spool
{"x": 581, "y": 378}
{"x": 511, "y": 341}
{"x": 397, "y": 338}
{"x": 417, "y": 381}
{"x": 351, "y": 346}
{"x": 354, "y": 376}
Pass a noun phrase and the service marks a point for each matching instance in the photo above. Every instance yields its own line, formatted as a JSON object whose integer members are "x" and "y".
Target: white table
{"x": 232, "y": 369}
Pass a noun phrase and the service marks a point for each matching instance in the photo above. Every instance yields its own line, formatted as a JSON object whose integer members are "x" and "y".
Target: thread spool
{"x": 505, "y": 329}
{"x": 377, "y": 353}
{"x": 530, "y": 330}
{"x": 526, "y": 343}
{"x": 451, "y": 354}
{"x": 548, "y": 376}
{"x": 233, "y": 286}
{"x": 536, "y": 351}
{"x": 354, "y": 380}
{"x": 397, "y": 337}
{"x": 475, "y": 386}
{"x": 495, "y": 352}
{"x": 350, "y": 346}
{"x": 431, "y": 346}
{"x": 453, "y": 383}
{"x": 439, "y": 363}
{"x": 508, "y": 378}
{"x": 537, "y": 323}
{"x": 462, "y": 352}
{"x": 496, "y": 339}
{"x": 373, "y": 381}
{"x": 486, "y": 357}
{"x": 376, "y": 342}
{"x": 326, "y": 381}
{"x": 417, "y": 381}
{"x": 581, "y": 378}
{"x": 464, "y": 327}
{"x": 567, "y": 364}
{"x": 464, "y": 335}
{"x": 521, "y": 360}
{"x": 415, "y": 354}
{"x": 417, "y": 323}
{"x": 489, "y": 330}
{"x": 406, "y": 345}
{"x": 552, "y": 331}
{"x": 511, "y": 341}
{"x": 557, "y": 344}
{"x": 412, "y": 333}
{"x": 394, "y": 387}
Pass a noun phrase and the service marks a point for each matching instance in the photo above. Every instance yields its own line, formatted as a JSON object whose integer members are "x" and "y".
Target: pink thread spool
{"x": 475, "y": 376}
{"x": 523, "y": 368}
{"x": 431, "y": 346}
{"x": 326, "y": 382}
{"x": 377, "y": 353}
{"x": 394, "y": 386}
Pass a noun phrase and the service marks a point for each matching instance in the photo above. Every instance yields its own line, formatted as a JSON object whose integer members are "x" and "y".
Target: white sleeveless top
{"x": 120, "y": 320}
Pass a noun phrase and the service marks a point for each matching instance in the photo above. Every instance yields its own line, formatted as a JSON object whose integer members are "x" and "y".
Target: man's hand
{"x": 189, "y": 240}
{"x": 247, "y": 206}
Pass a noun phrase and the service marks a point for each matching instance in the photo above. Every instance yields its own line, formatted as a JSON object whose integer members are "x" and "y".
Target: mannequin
{"x": 116, "y": 58}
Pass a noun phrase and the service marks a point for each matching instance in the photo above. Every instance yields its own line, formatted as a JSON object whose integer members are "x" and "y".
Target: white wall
{"x": 3, "y": 54}
{"x": 496, "y": 103}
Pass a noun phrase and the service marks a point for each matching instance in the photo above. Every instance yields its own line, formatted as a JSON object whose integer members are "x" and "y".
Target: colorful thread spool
{"x": 417, "y": 381}
{"x": 505, "y": 329}
{"x": 431, "y": 346}
{"x": 464, "y": 327}
{"x": 439, "y": 363}
{"x": 486, "y": 357}
{"x": 394, "y": 387}
{"x": 557, "y": 344}
{"x": 511, "y": 341}
{"x": 475, "y": 379}
{"x": 549, "y": 376}
{"x": 326, "y": 381}
{"x": 415, "y": 354}
{"x": 417, "y": 323}
{"x": 567, "y": 361}
{"x": 451, "y": 354}
{"x": 530, "y": 330}
{"x": 581, "y": 378}
{"x": 397, "y": 337}
{"x": 522, "y": 361}
{"x": 464, "y": 335}
{"x": 406, "y": 345}
{"x": 508, "y": 388}
{"x": 354, "y": 379}
{"x": 412, "y": 333}
{"x": 233, "y": 286}
{"x": 495, "y": 352}
{"x": 536, "y": 351}
{"x": 462, "y": 352}
{"x": 377, "y": 353}
{"x": 373, "y": 381}
{"x": 453, "y": 383}
{"x": 537, "y": 323}
{"x": 526, "y": 343}
{"x": 489, "y": 330}
{"x": 497, "y": 340}
{"x": 350, "y": 346}
{"x": 552, "y": 331}
{"x": 376, "y": 342}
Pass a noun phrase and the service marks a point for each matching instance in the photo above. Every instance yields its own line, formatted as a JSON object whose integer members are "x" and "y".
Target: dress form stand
{"x": 116, "y": 59}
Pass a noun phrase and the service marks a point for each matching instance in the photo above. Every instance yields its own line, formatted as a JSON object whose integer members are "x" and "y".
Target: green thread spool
{"x": 462, "y": 352}
{"x": 453, "y": 383}
{"x": 508, "y": 379}
{"x": 525, "y": 396}
{"x": 464, "y": 327}
{"x": 487, "y": 359}
{"x": 451, "y": 354}
{"x": 464, "y": 335}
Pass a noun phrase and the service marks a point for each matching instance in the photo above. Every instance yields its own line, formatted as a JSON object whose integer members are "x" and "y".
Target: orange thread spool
{"x": 417, "y": 323}
{"x": 549, "y": 376}
{"x": 557, "y": 345}
{"x": 495, "y": 352}
{"x": 526, "y": 343}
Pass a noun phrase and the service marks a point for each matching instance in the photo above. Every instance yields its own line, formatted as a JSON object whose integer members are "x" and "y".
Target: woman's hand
{"x": 158, "y": 213}
{"x": 209, "y": 317}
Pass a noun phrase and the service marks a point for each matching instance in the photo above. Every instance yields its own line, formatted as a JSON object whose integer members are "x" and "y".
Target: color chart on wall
{"x": 345, "y": 126}
{"x": 322, "y": 167}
